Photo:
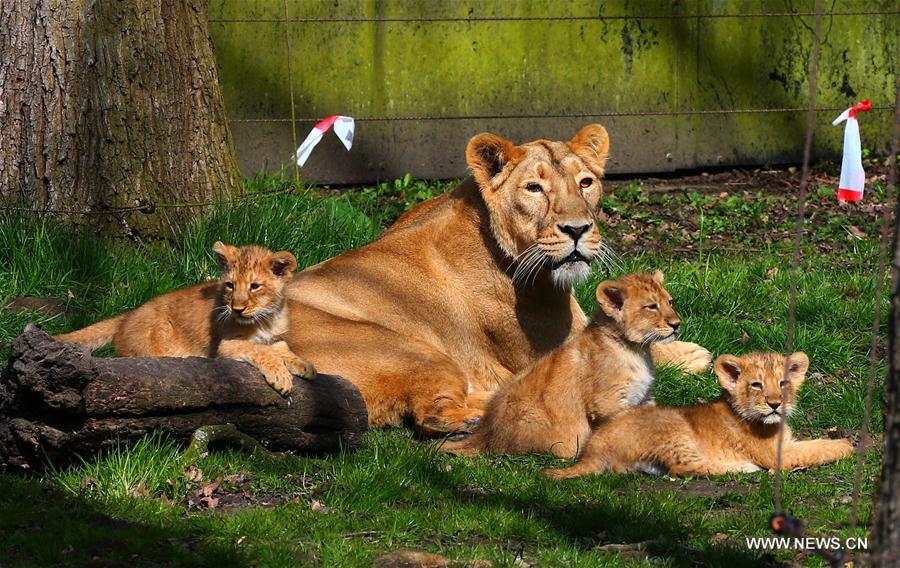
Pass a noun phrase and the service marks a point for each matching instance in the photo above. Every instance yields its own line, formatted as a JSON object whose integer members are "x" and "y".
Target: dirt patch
{"x": 232, "y": 493}
{"x": 739, "y": 211}
{"x": 696, "y": 487}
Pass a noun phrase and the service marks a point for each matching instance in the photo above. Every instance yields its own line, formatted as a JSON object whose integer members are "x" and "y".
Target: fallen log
{"x": 58, "y": 402}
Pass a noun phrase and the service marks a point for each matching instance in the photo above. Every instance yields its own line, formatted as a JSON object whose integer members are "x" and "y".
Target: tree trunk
{"x": 57, "y": 402}
{"x": 111, "y": 104}
{"x": 886, "y": 528}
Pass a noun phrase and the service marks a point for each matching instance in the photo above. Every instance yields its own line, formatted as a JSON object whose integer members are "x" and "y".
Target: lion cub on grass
{"x": 603, "y": 370}
{"x": 241, "y": 316}
{"x": 737, "y": 433}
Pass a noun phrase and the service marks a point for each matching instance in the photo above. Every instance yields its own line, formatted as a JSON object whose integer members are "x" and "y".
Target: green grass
{"x": 129, "y": 506}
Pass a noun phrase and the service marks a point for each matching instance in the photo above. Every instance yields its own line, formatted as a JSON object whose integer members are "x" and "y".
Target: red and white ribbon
{"x": 853, "y": 178}
{"x": 343, "y": 128}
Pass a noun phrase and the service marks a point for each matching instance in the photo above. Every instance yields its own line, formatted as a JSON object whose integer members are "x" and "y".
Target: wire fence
{"x": 593, "y": 18}
{"x": 149, "y": 207}
{"x": 787, "y": 524}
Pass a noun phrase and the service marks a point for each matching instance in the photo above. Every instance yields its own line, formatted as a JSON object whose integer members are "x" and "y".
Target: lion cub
{"x": 737, "y": 433}
{"x": 603, "y": 370}
{"x": 241, "y": 316}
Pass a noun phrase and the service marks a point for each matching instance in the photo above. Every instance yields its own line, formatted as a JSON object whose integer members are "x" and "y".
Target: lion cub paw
{"x": 295, "y": 364}
{"x": 279, "y": 364}
{"x": 690, "y": 357}
{"x": 276, "y": 374}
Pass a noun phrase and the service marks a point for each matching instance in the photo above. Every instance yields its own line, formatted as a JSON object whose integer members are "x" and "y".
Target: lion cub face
{"x": 253, "y": 280}
{"x": 640, "y": 306}
{"x": 757, "y": 386}
{"x": 541, "y": 197}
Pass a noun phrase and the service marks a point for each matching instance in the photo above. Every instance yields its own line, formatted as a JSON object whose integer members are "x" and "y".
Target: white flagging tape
{"x": 343, "y": 128}
{"x": 853, "y": 178}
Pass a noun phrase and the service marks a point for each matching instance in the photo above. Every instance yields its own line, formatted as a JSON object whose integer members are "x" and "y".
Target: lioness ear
{"x": 486, "y": 154}
{"x": 283, "y": 262}
{"x": 611, "y": 299}
{"x": 592, "y": 144}
{"x": 797, "y": 364}
{"x": 224, "y": 254}
{"x": 728, "y": 370}
{"x": 657, "y": 277}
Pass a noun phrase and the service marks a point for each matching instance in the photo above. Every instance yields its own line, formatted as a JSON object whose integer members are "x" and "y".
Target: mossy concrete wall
{"x": 546, "y": 67}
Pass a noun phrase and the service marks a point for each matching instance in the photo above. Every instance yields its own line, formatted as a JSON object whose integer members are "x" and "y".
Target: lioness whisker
{"x": 521, "y": 254}
{"x": 528, "y": 265}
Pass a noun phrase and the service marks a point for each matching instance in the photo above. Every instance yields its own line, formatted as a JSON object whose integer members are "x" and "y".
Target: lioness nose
{"x": 774, "y": 405}
{"x": 238, "y": 310}
{"x": 675, "y": 324}
{"x": 575, "y": 231}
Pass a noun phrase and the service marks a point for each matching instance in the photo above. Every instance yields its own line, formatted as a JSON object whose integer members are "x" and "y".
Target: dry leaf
{"x": 193, "y": 474}
{"x": 318, "y": 507}
{"x": 411, "y": 559}
{"x": 856, "y": 232}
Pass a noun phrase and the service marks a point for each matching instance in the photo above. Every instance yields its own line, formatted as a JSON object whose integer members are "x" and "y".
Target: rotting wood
{"x": 58, "y": 402}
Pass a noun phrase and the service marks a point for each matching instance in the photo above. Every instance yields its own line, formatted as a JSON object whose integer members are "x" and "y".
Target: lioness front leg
{"x": 690, "y": 357}
{"x": 277, "y": 362}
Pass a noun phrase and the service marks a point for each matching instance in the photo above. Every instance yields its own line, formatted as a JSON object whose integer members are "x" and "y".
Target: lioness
{"x": 241, "y": 316}
{"x": 603, "y": 370}
{"x": 465, "y": 290}
{"x": 738, "y": 432}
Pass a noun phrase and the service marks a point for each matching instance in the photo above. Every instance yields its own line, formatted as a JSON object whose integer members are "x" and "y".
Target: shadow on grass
{"x": 588, "y": 526}
{"x": 43, "y": 527}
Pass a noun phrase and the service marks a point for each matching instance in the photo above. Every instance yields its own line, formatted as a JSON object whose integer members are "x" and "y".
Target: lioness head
{"x": 755, "y": 382}
{"x": 253, "y": 280}
{"x": 640, "y": 306}
{"x": 541, "y": 197}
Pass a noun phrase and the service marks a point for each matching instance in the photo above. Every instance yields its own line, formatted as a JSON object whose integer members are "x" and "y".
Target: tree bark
{"x": 111, "y": 104}
{"x": 59, "y": 402}
{"x": 886, "y": 526}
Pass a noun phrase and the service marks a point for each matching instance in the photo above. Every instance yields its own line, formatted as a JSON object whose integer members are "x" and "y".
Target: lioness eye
{"x": 756, "y": 385}
{"x": 652, "y": 306}
{"x": 534, "y": 187}
{"x": 586, "y": 183}
{"x": 229, "y": 285}
{"x": 783, "y": 384}
{"x": 254, "y": 286}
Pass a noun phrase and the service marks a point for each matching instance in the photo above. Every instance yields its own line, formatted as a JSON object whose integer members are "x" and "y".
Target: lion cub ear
{"x": 658, "y": 277}
{"x": 225, "y": 255}
{"x": 486, "y": 155}
{"x": 283, "y": 263}
{"x": 611, "y": 299}
{"x": 728, "y": 370}
{"x": 797, "y": 364}
{"x": 592, "y": 144}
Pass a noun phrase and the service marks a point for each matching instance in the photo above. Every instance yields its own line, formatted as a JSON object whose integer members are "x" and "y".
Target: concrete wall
{"x": 539, "y": 67}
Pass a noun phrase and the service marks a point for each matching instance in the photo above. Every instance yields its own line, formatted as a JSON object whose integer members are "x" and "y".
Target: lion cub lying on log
{"x": 737, "y": 433}
{"x": 241, "y": 316}
{"x": 605, "y": 369}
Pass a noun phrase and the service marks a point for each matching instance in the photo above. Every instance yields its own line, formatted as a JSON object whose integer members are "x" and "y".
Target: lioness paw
{"x": 690, "y": 357}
